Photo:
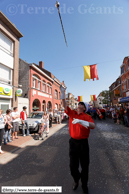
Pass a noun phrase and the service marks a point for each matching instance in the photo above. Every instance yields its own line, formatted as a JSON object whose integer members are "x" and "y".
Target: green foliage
{"x": 107, "y": 96}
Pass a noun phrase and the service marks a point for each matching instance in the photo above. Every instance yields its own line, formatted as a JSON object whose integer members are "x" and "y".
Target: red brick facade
{"x": 46, "y": 94}
{"x": 116, "y": 86}
{"x": 39, "y": 99}
{"x": 125, "y": 76}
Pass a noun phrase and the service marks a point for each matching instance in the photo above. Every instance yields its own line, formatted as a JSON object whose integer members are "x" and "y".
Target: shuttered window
{"x": 6, "y": 44}
{"x": 5, "y": 74}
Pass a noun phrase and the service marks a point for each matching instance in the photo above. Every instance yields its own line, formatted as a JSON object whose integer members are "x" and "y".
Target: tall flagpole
{"x": 57, "y": 5}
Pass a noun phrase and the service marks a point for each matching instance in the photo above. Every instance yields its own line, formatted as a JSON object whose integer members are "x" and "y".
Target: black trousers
{"x": 50, "y": 123}
{"x": 1, "y": 136}
{"x": 79, "y": 152}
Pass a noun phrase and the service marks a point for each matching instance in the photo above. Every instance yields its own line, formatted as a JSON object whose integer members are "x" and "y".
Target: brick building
{"x": 40, "y": 86}
{"x": 9, "y": 62}
{"x": 73, "y": 102}
{"x": 125, "y": 77}
{"x": 115, "y": 91}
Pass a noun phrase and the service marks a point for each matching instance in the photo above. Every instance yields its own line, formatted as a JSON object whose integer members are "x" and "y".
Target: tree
{"x": 107, "y": 95}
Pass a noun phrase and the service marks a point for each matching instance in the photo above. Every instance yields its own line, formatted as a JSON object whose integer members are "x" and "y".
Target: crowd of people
{"x": 119, "y": 114}
{"x": 9, "y": 124}
{"x": 60, "y": 116}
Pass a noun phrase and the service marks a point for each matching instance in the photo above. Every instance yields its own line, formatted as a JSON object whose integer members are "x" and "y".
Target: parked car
{"x": 34, "y": 121}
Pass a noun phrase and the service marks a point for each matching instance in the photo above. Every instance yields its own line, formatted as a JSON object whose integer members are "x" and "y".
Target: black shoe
{"x": 75, "y": 185}
{"x": 85, "y": 190}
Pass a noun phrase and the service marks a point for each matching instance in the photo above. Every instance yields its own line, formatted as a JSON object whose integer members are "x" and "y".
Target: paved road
{"x": 48, "y": 163}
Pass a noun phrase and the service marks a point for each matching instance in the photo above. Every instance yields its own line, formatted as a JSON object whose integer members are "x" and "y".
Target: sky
{"x": 97, "y": 31}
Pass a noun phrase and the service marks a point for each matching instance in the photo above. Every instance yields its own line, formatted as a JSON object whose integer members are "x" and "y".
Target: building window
{"x": 126, "y": 69}
{"x": 6, "y": 44}
{"x": 128, "y": 84}
{"x": 122, "y": 69}
{"x": 5, "y": 75}
{"x": 59, "y": 95}
{"x": 50, "y": 90}
{"x": 38, "y": 85}
{"x": 44, "y": 86}
{"x": 56, "y": 94}
{"x": 124, "y": 86}
{"x": 34, "y": 81}
{"x": 47, "y": 89}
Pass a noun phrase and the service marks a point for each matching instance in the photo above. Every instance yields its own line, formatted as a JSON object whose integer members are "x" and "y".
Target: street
{"x": 48, "y": 163}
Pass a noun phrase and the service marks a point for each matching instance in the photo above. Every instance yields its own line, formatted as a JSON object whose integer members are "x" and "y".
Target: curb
{"x": 7, "y": 157}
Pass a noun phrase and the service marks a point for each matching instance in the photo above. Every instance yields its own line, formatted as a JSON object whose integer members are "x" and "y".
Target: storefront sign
{"x": 5, "y": 91}
{"x": 18, "y": 92}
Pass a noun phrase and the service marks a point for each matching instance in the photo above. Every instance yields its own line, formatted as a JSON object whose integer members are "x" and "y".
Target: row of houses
{"x": 38, "y": 88}
{"x": 119, "y": 89}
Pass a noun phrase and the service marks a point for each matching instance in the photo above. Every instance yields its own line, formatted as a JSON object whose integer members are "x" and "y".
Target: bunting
{"x": 80, "y": 98}
{"x": 93, "y": 97}
{"x": 90, "y": 72}
{"x": 87, "y": 74}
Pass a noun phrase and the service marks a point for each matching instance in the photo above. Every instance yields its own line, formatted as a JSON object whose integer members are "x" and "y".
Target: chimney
{"x": 63, "y": 82}
{"x": 41, "y": 64}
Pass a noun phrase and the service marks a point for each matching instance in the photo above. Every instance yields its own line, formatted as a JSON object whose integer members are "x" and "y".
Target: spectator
{"x": 59, "y": 116}
{"x": 114, "y": 116}
{"x": 45, "y": 118}
{"x": 23, "y": 116}
{"x": 121, "y": 115}
{"x": 50, "y": 118}
{"x": 118, "y": 117}
{"x": 94, "y": 112}
{"x": 126, "y": 116}
{"x": 8, "y": 126}
{"x": 1, "y": 130}
{"x": 15, "y": 122}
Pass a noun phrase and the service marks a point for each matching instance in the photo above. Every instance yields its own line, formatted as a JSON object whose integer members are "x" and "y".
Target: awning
{"x": 125, "y": 99}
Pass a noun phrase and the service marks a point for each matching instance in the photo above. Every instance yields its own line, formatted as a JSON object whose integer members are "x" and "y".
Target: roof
{"x": 49, "y": 74}
{"x": 44, "y": 70}
{"x": 10, "y": 25}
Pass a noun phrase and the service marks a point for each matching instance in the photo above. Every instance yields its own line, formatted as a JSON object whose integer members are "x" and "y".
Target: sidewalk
{"x": 18, "y": 142}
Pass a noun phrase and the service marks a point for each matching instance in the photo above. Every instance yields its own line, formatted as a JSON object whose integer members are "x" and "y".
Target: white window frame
{"x": 34, "y": 82}
{"x": 128, "y": 84}
{"x": 124, "y": 86}
{"x": 50, "y": 90}
{"x": 44, "y": 85}
{"x": 56, "y": 94}
{"x": 10, "y": 52}
{"x": 47, "y": 88}
{"x": 4, "y": 79}
{"x": 39, "y": 84}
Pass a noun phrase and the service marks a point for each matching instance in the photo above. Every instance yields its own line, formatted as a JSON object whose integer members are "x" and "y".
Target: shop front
{"x": 5, "y": 97}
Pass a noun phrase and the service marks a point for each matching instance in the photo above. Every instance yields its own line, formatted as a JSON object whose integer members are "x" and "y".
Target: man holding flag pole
{"x": 80, "y": 124}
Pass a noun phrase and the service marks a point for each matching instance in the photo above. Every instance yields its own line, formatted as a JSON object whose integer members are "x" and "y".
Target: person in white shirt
{"x": 15, "y": 122}
{"x": 59, "y": 116}
{"x": 45, "y": 118}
